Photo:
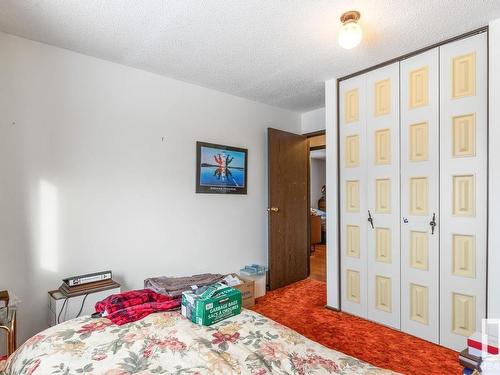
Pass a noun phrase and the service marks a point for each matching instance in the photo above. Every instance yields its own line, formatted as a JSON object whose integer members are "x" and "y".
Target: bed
{"x": 167, "y": 343}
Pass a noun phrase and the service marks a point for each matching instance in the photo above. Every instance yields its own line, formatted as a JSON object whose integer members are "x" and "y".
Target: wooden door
{"x": 288, "y": 174}
{"x": 382, "y": 188}
{"x": 420, "y": 195}
{"x": 464, "y": 148}
{"x": 353, "y": 211}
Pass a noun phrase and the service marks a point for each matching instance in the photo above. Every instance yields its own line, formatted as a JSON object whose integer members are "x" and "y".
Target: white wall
{"x": 313, "y": 120}
{"x": 87, "y": 184}
{"x": 318, "y": 180}
{"x": 332, "y": 250}
{"x": 494, "y": 172}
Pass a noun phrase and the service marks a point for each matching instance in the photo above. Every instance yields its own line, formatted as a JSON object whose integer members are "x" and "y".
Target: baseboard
{"x": 331, "y": 308}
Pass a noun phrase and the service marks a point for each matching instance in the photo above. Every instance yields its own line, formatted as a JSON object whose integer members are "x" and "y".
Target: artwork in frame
{"x": 221, "y": 169}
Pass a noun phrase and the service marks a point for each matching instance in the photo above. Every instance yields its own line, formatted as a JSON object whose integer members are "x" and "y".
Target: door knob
{"x": 433, "y": 223}
{"x": 370, "y": 219}
{"x": 273, "y": 209}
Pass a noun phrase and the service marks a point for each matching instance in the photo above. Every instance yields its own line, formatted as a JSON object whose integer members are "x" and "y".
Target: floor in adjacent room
{"x": 318, "y": 263}
{"x": 301, "y": 306}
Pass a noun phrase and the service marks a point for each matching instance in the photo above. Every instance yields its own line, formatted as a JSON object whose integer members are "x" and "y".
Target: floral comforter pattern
{"x": 167, "y": 343}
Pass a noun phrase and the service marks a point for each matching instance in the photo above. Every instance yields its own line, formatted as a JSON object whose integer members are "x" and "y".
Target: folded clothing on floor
{"x": 175, "y": 286}
{"x": 134, "y": 305}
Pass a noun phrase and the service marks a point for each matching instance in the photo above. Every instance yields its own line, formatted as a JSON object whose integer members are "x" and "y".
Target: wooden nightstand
{"x": 8, "y": 322}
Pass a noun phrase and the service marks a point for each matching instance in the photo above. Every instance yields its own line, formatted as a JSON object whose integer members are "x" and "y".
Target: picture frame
{"x": 221, "y": 169}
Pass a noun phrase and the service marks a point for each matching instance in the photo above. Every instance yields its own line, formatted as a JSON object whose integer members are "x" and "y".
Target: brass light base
{"x": 350, "y": 16}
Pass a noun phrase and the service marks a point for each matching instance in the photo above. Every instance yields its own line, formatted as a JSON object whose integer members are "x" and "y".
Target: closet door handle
{"x": 433, "y": 223}
{"x": 370, "y": 219}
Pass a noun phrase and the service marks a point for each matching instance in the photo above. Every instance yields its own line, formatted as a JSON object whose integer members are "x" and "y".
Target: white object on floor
{"x": 260, "y": 284}
{"x": 476, "y": 343}
{"x": 61, "y": 311}
{"x": 491, "y": 365}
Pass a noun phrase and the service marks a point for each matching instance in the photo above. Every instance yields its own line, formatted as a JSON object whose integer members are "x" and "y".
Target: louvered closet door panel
{"x": 382, "y": 188}
{"x": 420, "y": 195}
{"x": 463, "y": 101}
{"x": 352, "y": 195}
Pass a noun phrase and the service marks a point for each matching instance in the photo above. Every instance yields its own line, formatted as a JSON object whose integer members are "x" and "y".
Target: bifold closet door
{"x": 420, "y": 195}
{"x": 382, "y": 189}
{"x": 463, "y": 124}
{"x": 352, "y": 139}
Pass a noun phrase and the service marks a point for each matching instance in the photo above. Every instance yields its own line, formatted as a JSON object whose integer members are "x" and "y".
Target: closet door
{"x": 382, "y": 187}
{"x": 352, "y": 139}
{"x": 463, "y": 101}
{"x": 420, "y": 195}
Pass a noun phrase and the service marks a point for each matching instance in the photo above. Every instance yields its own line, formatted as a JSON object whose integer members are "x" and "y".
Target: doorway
{"x": 290, "y": 218}
{"x": 317, "y": 215}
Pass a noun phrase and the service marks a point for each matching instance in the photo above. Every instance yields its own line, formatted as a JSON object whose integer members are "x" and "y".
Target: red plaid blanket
{"x": 134, "y": 305}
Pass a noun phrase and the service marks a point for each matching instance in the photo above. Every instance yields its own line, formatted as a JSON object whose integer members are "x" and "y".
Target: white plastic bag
{"x": 14, "y": 301}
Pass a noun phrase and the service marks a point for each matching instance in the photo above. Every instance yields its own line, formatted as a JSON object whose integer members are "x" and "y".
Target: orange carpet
{"x": 300, "y": 306}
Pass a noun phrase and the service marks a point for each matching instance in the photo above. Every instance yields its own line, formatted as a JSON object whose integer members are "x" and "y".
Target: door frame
{"x": 398, "y": 59}
{"x": 309, "y": 149}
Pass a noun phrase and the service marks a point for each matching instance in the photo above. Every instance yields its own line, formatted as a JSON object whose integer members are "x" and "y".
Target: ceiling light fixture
{"x": 350, "y": 32}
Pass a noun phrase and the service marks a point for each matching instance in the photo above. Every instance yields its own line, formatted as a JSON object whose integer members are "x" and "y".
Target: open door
{"x": 288, "y": 159}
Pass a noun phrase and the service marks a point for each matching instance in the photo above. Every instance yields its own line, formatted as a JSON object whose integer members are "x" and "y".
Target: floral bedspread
{"x": 167, "y": 343}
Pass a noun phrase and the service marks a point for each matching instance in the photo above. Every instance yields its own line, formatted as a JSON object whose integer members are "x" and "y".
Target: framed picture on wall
{"x": 221, "y": 169}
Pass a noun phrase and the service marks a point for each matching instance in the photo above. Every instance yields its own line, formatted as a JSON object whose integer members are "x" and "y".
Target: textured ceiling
{"x": 277, "y": 52}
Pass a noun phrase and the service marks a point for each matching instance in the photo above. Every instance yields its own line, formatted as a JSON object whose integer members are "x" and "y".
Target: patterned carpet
{"x": 300, "y": 306}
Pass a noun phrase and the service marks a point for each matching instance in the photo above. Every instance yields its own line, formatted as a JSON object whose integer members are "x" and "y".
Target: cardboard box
{"x": 247, "y": 289}
{"x": 211, "y": 305}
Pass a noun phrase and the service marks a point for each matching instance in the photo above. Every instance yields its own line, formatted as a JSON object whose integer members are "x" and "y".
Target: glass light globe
{"x": 350, "y": 35}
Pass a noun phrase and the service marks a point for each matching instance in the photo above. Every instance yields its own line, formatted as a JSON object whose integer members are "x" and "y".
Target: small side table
{"x": 63, "y": 307}
{"x": 8, "y": 323}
